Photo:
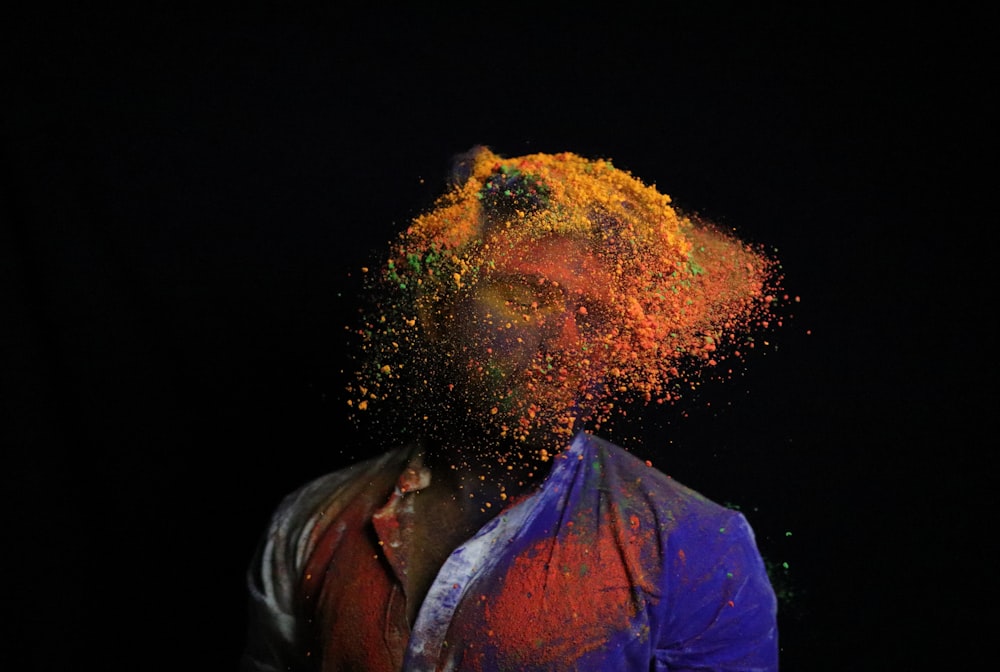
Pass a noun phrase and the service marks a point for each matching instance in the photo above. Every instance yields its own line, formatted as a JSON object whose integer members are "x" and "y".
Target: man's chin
{"x": 539, "y": 429}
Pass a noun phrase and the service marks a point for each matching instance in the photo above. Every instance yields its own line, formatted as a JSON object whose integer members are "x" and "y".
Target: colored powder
{"x": 685, "y": 295}
{"x": 578, "y": 589}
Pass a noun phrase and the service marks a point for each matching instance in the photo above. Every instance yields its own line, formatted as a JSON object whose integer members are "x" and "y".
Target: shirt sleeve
{"x": 273, "y": 631}
{"x": 276, "y": 627}
{"x": 721, "y": 608}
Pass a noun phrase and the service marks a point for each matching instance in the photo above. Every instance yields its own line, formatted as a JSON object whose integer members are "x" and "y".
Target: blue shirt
{"x": 609, "y": 565}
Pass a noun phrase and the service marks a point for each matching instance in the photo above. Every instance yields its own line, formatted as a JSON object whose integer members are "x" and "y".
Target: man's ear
{"x": 462, "y": 165}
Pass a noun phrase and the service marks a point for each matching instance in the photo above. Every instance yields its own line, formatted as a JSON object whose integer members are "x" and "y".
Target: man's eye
{"x": 523, "y": 298}
{"x": 522, "y": 303}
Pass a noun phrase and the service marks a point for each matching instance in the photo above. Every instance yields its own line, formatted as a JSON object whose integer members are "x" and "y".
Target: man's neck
{"x": 486, "y": 480}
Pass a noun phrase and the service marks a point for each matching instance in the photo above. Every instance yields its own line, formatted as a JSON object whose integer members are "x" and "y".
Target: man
{"x": 539, "y": 297}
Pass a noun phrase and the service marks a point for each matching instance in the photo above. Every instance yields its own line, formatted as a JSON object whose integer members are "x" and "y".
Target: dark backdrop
{"x": 187, "y": 199}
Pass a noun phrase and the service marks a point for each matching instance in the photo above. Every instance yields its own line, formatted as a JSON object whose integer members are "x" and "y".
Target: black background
{"x": 187, "y": 199}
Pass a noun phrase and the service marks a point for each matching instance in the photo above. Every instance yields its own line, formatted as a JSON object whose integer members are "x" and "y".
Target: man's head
{"x": 543, "y": 291}
{"x": 526, "y": 344}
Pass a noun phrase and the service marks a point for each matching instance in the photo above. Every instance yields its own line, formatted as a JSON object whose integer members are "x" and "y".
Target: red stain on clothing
{"x": 352, "y": 633}
{"x": 561, "y": 600}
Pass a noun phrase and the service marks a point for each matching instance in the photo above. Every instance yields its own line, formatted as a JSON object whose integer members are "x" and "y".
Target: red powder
{"x": 560, "y": 601}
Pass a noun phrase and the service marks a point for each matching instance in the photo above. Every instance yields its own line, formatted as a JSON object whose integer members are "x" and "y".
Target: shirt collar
{"x": 394, "y": 521}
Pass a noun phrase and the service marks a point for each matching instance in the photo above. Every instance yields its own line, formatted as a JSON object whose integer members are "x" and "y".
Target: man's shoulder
{"x": 628, "y": 475}
{"x": 352, "y": 473}
{"x": 362, "y": 475}
{"x": 323, "y": 498}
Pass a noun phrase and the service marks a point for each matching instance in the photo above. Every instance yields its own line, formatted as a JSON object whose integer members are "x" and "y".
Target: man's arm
{"x": 722, "y": 611}
{"x": 273, "y": 636}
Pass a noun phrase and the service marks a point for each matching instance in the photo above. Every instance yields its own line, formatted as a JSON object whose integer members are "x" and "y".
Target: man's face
{"x": 530, "y": 339}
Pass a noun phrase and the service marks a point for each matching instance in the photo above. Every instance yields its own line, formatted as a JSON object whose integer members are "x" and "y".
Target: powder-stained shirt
{"x": 608, "y": 565}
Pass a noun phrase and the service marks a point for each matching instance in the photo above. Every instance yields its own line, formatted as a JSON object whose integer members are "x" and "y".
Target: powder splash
{"x": 683, "y": 297}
